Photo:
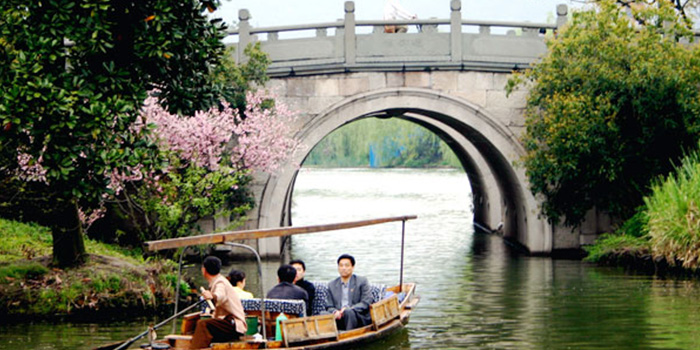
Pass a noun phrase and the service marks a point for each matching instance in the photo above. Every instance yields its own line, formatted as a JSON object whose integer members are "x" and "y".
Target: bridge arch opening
{"x": 485, "y": 148}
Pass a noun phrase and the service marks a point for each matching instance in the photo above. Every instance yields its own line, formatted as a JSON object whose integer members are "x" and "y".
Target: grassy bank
{"x": 664, "y": 236}
{"x": 113, "y": 280}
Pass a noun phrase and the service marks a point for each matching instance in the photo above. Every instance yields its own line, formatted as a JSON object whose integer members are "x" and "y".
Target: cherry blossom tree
{"x": 211, "y": 155}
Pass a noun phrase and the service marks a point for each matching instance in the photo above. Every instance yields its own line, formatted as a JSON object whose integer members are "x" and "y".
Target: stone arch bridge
{"x": 447, "y": 75}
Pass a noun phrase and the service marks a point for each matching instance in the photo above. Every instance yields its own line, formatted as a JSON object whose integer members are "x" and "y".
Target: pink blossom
{"x": 30, "y": 169}
{"x": 264, "y": 138}
{"x": 117, "y": 178}
{"x": 200, "y": 139}
{"x": 88, "y": 220}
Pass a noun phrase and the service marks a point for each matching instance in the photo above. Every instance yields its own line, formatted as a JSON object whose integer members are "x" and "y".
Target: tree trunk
{"x": 67, "y": 232}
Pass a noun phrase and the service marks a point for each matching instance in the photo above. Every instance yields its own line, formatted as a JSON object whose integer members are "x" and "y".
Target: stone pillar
{"x": 562, "y": 12}
{"x": 456, "y": 30}
{"x": 349, "y": 30}
{"x": 243, "y": 35}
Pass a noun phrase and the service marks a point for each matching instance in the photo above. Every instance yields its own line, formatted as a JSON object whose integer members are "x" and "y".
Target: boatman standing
{"x": 393, "y": 11}
{"x": 349, "y": 296}
{"x": 228, "y": 322}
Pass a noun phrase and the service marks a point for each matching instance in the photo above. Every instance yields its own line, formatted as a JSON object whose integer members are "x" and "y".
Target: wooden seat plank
{"x": 307, "y": 329}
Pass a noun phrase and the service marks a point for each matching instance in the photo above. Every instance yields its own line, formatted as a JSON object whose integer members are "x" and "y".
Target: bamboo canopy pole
{"x": 221, "y": 237}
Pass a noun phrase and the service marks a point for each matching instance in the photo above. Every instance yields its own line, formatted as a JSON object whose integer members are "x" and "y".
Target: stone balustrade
{"x": 439, "y": 44}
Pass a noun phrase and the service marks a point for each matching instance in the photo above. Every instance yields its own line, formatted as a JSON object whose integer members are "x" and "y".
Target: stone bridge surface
{"x": 448, "y": 76}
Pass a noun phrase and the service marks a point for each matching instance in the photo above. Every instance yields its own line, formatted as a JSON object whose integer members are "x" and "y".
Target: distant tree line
{"x": 382, "y": 143}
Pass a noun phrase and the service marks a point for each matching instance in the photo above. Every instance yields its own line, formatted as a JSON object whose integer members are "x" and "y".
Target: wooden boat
{"x": 389, "y": 314}
{"x": 320, "y": 332}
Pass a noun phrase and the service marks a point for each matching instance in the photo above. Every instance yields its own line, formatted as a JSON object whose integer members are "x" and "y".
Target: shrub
{"x": 674, "y": 214}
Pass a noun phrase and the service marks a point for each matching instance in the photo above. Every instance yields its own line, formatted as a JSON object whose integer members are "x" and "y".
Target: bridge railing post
{"x": 562, "y": 12}
{"x": 243, "y": 35}
{"x": 349, "y": 35}
{"x": 456, "y": 30}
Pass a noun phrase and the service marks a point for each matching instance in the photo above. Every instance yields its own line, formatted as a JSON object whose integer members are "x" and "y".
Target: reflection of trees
{"x": 589, "y": 309}
{"x": 674, "y": 313}
{"x": 506, "y": 301}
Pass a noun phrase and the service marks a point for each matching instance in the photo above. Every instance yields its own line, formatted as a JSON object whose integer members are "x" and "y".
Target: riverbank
{"x": 114, "y": 282}
{"x": 663, "y": 237}
{"x": 634, "y": 254}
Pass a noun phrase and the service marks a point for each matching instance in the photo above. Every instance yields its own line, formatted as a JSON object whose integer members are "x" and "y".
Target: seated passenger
{"x": 306, "y": 285}
{"x": 228, "y": 322}
{"x": 349, "y": 296}
{"x": 286, "y": 288}
{"x": 237, "y": 278}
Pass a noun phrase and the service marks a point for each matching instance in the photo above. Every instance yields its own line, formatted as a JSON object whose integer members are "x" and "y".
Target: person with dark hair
{"x": 305, "y": 285}
{"x": 286, "y": 288}
{"x": 228, "y": 321}
{"x": 349, "y": 296}
{"x": 393, "y": 11}
{"x": 237, "y": 279}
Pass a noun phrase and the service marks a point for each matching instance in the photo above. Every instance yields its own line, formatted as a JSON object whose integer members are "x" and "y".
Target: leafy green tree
{"x": 74, "y": 74}
{"x": 683, "y": 7}
{"x": 612, "y": 105}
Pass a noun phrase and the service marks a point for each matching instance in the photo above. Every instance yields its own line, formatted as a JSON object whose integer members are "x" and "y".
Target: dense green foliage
{"x": 382, "y": 143}
{"x": 673, "y": 211}
{"x": 612, "y": 105}
{"x": 74, "y": 75}
{"x": 174, "y": 207}
{"x": 234, "y": 80}
{"x": 70, "y": 107}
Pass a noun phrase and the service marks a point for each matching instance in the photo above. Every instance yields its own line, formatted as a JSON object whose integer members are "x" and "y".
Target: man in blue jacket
{"x": 349, "y": 296}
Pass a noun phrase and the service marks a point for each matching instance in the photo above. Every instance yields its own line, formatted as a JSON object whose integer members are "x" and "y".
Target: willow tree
{"x": 74, "y": 74}
{"x": 612, "y": 105}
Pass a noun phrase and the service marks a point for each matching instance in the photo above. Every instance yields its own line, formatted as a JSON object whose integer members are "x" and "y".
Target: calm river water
{"x": 476, "y": 293}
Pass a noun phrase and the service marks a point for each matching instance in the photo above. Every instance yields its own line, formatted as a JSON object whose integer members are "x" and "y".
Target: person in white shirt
{"x": 394, "y": 11}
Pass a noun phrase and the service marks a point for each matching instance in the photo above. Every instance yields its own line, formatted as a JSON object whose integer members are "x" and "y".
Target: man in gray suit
{"x": 349, "y": 297}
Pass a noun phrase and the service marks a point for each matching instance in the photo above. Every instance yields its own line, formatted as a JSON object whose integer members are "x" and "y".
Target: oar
{"x": 126, "y": 344}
